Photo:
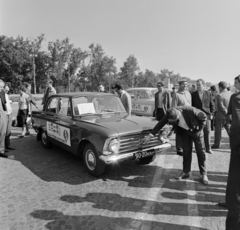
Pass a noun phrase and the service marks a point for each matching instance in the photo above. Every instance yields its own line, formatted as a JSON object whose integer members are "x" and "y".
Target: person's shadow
{"x": 58, "y": 220}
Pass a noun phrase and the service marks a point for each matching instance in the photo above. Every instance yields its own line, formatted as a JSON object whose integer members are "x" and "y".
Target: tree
{"x": 129, "y": 71}
{"x": 100, "y": 68}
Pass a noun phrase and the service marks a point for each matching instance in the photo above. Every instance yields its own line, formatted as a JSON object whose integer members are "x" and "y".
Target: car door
{"x": 63, "y": 124}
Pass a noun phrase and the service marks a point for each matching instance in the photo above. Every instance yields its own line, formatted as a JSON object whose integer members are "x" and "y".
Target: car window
{"x": 141, "y": 94}
{"x": 131, "y": 93}
{"x": 52, "y": 105}
{"x": 64, "y": 106}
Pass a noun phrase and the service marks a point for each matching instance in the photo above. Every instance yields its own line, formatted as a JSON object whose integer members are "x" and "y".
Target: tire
{"x": 45, "y": 142}
{"x": 92, "y": 163}
{"x": 147, "y": 160}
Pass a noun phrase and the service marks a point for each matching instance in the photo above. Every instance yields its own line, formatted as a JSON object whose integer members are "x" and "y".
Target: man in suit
{"x": 125, "y": 98}
{"x": 233, "y": 183}
{"x": 162, "y": 102}
{"x": 202, "y": 99}
{"x": 222, "y": 101}
{"x": 188, "y": 123}
{"x": 181, "y": 98}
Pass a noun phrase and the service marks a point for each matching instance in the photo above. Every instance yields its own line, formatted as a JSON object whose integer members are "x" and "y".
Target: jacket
{"x": 195, "y": 119}
{"x": 222, "y": 102}
{"x": 206, "y": 105}
{"x": 166, "y": 101}
{"x": 3, "y": 99}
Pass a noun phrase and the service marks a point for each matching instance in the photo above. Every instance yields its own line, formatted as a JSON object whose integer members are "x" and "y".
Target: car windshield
{"x": 97, "y": 105}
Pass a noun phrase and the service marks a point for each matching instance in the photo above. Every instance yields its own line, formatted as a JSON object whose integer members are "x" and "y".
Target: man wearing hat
{"x": 162, "y": 102}
{"x": 181, "y": 98}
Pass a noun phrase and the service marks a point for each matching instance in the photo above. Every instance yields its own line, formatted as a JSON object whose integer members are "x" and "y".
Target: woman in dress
{"x": 24, "y": 110}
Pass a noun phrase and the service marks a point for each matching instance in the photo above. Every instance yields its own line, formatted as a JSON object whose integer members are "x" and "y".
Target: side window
{"x": 64, "y": 106}
{"x": 131, "y": 93}
{"x": 141, "y": 94}
{"x": 52, "y": 105}
{"x": 76, "y": 102}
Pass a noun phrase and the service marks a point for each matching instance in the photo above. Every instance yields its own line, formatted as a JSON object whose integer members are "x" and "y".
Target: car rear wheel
{"x": 147, "y": 160}
{"x": 92, "y": 163}
{"x": 46, "y": 143}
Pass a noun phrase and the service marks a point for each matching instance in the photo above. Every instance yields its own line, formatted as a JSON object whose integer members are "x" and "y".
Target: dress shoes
{"x": 215, "y": 147}
{"x": 223, "y": 205}
{"x": 209, "y": 151}
{"x": 205, "y": 179}
{"x": 27, "y": 133}
{"x": 10, "y": 148}
{"x": 4, "y": 155}
{"x": 183, "y": 175}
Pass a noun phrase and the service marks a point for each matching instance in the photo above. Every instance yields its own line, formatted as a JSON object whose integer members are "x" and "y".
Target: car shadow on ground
{"x": 116, "y": 202}
{"x": 58, "y": 220}
{"x": 56, "y": 164}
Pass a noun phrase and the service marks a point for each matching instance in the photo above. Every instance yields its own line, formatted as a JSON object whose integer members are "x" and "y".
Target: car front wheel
{"x": 92, "y": 163}
{"x": 46, "y": 143}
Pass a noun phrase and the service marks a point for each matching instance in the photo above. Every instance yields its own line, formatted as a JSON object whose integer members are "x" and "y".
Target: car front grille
{"x": 132, "y": 142}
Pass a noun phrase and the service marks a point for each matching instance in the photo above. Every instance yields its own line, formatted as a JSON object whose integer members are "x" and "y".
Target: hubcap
{"x": 44, "y": 138}
{"x": 90, "y": 159}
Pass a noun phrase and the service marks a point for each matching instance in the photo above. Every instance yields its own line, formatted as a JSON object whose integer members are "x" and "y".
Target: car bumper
{"x": 128, "y": 156}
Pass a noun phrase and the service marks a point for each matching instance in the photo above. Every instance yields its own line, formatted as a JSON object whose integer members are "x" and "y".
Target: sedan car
{"x": 96, "y": 127}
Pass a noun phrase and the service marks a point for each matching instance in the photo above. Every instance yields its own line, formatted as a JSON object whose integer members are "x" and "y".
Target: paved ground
{"x": 50, "y": 189}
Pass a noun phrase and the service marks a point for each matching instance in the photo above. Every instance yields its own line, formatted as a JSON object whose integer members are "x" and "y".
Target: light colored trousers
{"x": 3, "y": 130}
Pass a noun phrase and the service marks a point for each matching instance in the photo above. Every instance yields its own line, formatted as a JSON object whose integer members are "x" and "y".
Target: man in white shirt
{"x": 9, "y": 119}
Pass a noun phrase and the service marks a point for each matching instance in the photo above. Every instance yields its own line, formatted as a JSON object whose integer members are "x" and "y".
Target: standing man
{"x": 162, "y": 102}
{"x": 222, "y": 101}
{"x": 188, "y": 123}
{"x": 202, "y": 99}
{"x": 3, "y": 120}
{"x": 173, "y": 91}
{"x": 101, "y": 88}
{"x": 9, "y": 119}
{"x": 181, "y": 98}
{"x": 233, "y": 183}
{"x": 49, "y": 91}
{"x": 125, "y": 98}
{"x": 31, "y": 98}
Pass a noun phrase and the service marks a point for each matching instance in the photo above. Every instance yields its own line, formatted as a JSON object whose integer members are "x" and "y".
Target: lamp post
{"x": 34, "y": 75}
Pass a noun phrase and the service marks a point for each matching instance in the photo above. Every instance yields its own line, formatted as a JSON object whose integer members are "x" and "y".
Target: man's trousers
{"x": 188, "y": 138}
{"x": 233, "y": 192}
{"x": 3, "y": 129}
{"x": 219, "y": 124}
{"x": 8, "y": 132}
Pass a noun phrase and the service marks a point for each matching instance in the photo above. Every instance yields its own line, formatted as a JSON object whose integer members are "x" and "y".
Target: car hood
{"x": 124, "y": 124}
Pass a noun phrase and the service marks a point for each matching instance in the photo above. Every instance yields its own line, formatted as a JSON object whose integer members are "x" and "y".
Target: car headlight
{"x": 114, "y": 145}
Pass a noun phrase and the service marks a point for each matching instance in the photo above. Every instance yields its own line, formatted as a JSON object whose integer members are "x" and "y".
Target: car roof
{"x": 75, "y": 94}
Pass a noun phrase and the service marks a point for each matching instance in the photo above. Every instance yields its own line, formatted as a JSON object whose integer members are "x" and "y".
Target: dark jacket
{"x": 3, "y": 99}
{"x": 166, "y": 101}
{"x": 195, "y": 119}
{"x": 206, "y": 105}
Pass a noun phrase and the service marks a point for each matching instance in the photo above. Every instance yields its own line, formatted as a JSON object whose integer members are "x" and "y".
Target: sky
{"x": 196, "y": 38}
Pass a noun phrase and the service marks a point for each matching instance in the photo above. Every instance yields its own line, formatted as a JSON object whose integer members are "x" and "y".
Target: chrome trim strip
{"x": 125, "y": 156}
